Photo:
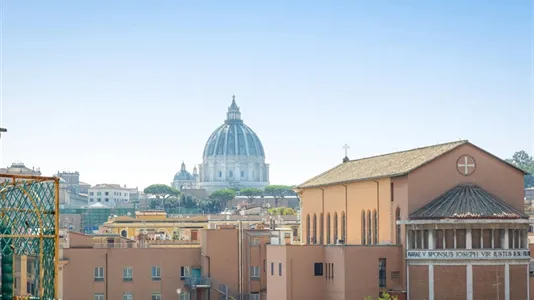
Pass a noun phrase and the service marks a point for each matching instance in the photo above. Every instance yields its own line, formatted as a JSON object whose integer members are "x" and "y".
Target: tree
{"x": 385, "y": 296}
{"x": 281, "y": 211}
{"x": 278, "y": 192}
{"x": 250, "y": 193}
{"x": 162, "y": 193}
{"x": 220, "y": 197}
{"x": 525, "y": 162}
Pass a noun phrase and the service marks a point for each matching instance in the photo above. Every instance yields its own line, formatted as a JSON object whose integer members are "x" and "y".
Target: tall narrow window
{"x": 328, "y": 229}
{"x": 314, "y": 237}
{"x": 363, "y": 227}
{"x": 307, "y": 229}
{"x": 321, "y": 228}
{"x": 398, "y": 226}
{"x": 381, "y": 272}
{"x": 392, "y": 190}
{"x": 375, "y": 229}
{"x": 335, "y": 227}
{"x": 343, "y": 227}
{"x": 369, "y": 228}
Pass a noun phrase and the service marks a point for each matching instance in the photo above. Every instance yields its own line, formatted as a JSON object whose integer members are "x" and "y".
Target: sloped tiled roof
{"x": 467, "y": 201}
{"x": 386, "y": 165}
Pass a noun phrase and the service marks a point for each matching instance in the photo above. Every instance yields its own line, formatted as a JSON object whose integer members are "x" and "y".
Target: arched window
{"x": 343, "y": 227}
{"x": 335, "y": 227}
{"x": 307, "y": 229}
{"x": 363, "y": 227}
{"x": 314, "y": 237}
{"x": 321, "y": 228}
{"x": 398, "y": 227}
{"x": 369, "y": 228}
{"x": 375, "y": 230}
{"x": 328, "y": 229}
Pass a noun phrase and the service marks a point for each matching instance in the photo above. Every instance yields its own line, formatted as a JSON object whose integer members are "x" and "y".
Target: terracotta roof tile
{"x": 386, "y": 165}
{"x": 467, "y": 201}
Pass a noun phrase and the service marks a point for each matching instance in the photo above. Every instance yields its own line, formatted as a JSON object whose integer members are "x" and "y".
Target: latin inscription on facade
{"x": 468, "y": 254}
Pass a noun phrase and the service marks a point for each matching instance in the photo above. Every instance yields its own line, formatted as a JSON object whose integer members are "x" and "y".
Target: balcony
{"x": 197, "y": 282}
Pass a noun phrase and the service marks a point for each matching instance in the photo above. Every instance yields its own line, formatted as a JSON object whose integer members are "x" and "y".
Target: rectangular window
{"x": 98, "y": 193}
{"x": 156, "y": 273}
{"x": 254, "y": 296}
{"x": 91, "y": 194}
{"x": 99, "y": 200}
{"x": 99, "y": 274}
{"x": 107, "y": 193}
{"x": 242, "y": 173}
{"x": 220, "y": 174}
{"x": 107, "y": 199}
{"x": 254, "y": 241}
{"x": 99, "y": 297}
{"x": 127, "y": 274}
{"x": 255, "y": 272}
{"x": 279, "y": 269}
{"x": 185, "y": 296}
{"x": 231, "y": 174}
{"x": 264, "y": 265}
{"x": 272, "y": 268}
{"x": 185, "y": 272}
{"x": 382, "y": 272}
{"x": 318, "y": 269}
{"x": 156, "y": 296}
{"x": 127, "y": 296}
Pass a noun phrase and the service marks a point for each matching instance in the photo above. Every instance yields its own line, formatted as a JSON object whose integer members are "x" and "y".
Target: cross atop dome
{"x": 233, "y": 114}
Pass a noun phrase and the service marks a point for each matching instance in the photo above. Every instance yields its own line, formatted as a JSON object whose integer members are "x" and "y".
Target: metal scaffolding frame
{"x": 29, "y": 226}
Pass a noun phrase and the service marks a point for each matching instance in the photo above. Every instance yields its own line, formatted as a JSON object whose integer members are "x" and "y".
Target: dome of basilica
{"x": 183, "y": 174}
{"x": 234, "y": 137}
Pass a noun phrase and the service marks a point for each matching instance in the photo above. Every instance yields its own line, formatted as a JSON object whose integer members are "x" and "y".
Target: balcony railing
{"x": 197, "y": 282}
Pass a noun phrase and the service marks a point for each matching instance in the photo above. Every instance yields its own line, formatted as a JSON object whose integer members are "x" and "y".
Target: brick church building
{"x": 438, "y": 222}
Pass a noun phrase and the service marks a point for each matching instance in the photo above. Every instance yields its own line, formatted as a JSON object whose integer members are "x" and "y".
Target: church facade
{"x": 438, "y": 222}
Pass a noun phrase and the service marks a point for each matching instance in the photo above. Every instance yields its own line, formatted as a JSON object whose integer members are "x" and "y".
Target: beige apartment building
{"x": 227, "y": 262}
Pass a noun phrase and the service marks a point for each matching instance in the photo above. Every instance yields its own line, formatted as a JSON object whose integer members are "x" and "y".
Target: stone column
{"x": 250, "y": 172}
{"x": 430, "y": 281}
{"x": 507, "y": 282}
{"x": 469, "y": 281}
{"x": 237, "y": 168}
{"x": 468, "y": 239}
{"x": 407, "y": 233}
{"x": 504, "y": 239}
{"x": 431, "y": 239}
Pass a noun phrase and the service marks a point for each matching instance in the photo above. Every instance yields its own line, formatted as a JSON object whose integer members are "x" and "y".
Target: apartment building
{"x": 108, "y": 194}
{"x": 229, "y": 261}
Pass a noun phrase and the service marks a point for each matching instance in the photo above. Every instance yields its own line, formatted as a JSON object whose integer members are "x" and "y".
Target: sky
{"x": 124, "y": 91}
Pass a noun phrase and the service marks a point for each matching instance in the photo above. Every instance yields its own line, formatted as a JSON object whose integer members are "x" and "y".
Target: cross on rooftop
{"x": 346, "y": 147}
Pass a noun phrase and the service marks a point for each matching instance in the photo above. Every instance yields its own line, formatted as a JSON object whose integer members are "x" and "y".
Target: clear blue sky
{"x": 123, "y": 91}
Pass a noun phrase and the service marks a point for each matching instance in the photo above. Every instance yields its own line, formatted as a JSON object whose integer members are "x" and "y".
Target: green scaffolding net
{"x": 28, "y": 228}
